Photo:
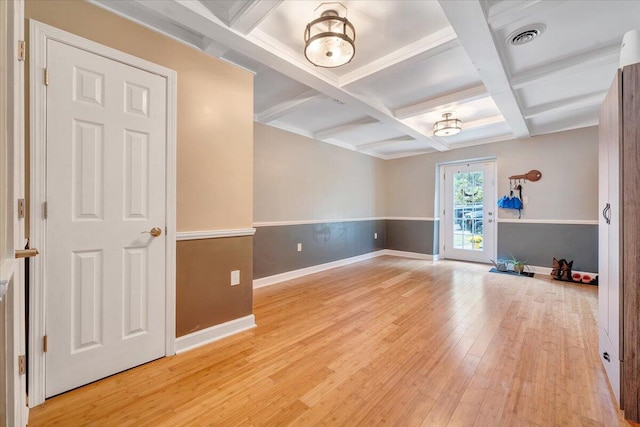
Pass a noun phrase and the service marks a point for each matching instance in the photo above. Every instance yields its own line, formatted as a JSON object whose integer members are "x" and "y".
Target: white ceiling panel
{"x": 404, "y": 148}
{"x": 566, "y": 87}
{"x": 474, "y": 111}
{"x": 426, "y": 79}
{"x": 275, "y": 88}
{"x": 367, "y": 134}
{"x": 572, "y": 28}
{"x": 321, "y": 114}
{"x": 414, "y": 60}
{"x": 564, "y": 120}
{"x": 382, "y": 26}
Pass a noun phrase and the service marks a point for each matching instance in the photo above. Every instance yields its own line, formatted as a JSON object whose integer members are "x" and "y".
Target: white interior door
{"x": 469, "y": 211}
{"x": 105, "y": 179}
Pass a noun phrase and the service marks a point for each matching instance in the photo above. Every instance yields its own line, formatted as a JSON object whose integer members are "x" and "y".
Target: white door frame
{"x": 441, "y": 201}
{"x": 39, "y": 34}
{"x": 14, "y": 406}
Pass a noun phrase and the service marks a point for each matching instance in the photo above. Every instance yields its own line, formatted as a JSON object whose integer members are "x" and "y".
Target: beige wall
{"x": 215, "y": 113}
{"x": 214, "y": 158}
{"x": 298, "y": 178}
{"x": 568, "y": 189}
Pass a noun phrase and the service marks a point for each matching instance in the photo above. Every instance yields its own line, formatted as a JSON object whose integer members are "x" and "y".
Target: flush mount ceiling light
{"x": 447, "y": 126}
{"x": 328, "y": 40}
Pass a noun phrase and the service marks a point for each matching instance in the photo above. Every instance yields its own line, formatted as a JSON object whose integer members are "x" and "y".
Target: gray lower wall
{"x": 539, "y": 243}
{"x": 413, "y": 236}
{"x": 275, "y": 247}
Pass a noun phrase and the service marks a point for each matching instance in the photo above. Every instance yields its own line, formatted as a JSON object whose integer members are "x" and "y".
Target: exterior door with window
{"x": 469, "y": 211}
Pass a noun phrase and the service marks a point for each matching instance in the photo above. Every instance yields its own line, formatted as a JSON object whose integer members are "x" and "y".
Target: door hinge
{"x": 22, "y": 365}
{"x": 21, "y": 208}
{"x": 45, "y": 344}
{"x": 45, "y": 209}
{"x": 22, "y": 50}
{"x": 46, "y": 77}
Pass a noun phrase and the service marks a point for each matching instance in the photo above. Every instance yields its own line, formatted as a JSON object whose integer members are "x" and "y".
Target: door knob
{"x": 490, "y": 220}
{"x": 155, "y": 231}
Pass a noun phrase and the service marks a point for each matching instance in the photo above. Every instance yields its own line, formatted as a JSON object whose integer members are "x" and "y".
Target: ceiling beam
{"x": 561, "y": 126}
{"x": 566, "y": 105}
{"x": 142, "y": 15}
{"x": 214, "y": 48}
{"x": 284, "y": 108}
{"x": 480, "y": 123}
{"x": 334, "y": 132}
{"x": 459, "y": 97}
{"x": 508, "y": 12}
{"x": 384, "y": 143}
{"x": 603, "y": 56}
{"x": 245, "y": 16}
{"x": 274, "y": 54}
{"x": 490, "y": 140}
{"x": 406, "y": 153}
{"x": 429, "y": 46}
{"x": 468, "y": 19}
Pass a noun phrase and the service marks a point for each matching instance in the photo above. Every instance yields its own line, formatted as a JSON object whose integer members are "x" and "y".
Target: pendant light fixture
{"x": 447, "y": 126}
{"x": 329, "y": 39}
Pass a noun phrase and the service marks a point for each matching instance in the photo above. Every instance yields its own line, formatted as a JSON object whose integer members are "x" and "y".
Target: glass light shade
{"x": 447, "y": 126}
{"x": 329, "y": 40}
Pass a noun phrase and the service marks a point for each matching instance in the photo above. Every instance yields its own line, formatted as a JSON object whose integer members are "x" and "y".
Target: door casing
{"x": 39, "y": 34}
{"x": 440, "y": 198}
{"x": 13, "y": 408}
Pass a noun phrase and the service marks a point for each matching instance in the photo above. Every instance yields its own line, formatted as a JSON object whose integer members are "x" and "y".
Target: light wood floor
{"x": 385, "y": 341}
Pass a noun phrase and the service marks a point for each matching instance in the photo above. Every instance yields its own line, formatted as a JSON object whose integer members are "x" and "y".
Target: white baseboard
{"x": 415, "y": 255}
{"x": 214, "y": 333}
{"x": 294, "y": 274}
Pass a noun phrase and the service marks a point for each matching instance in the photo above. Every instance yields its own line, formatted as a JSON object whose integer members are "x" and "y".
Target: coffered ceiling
{"x": 414, "y": 61}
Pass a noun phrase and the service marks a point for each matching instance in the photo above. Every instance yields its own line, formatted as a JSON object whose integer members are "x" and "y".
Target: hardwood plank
{"x": 384, "y": 341}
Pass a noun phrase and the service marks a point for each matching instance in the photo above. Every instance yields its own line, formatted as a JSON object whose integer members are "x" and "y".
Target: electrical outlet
{"x": 299, "y": 247}
{"x": 375, "y": 235}
{"x": 235, "y": 277}
{"x": 525, "y": 200}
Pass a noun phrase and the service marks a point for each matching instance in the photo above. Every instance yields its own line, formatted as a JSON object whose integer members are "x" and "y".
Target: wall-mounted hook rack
{"x": 532, "y": 175}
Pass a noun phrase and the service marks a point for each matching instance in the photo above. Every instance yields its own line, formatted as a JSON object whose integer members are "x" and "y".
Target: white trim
{"x": 7, "y": 269}
{"x": 15, "y": 385}
{"x": 214, "y": 333}
{"x": 411, "y": 218}
{"x": 325, "y": 221}
{"x": 440, "y": 198}
{"x": 39, "y": 34}
{"x": 294, "y": 274}
{"x": 414, "y": 255}
{"x": 549, "y": 221}
{"x": 312, "y": 221}
{"x": 214, "y": 234}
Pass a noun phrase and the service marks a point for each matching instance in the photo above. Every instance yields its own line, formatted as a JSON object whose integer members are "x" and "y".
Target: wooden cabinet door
{"x": 609, "y": 229}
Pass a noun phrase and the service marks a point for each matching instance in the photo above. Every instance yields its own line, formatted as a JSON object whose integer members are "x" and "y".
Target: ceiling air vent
{"x": 525, "y": 34}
